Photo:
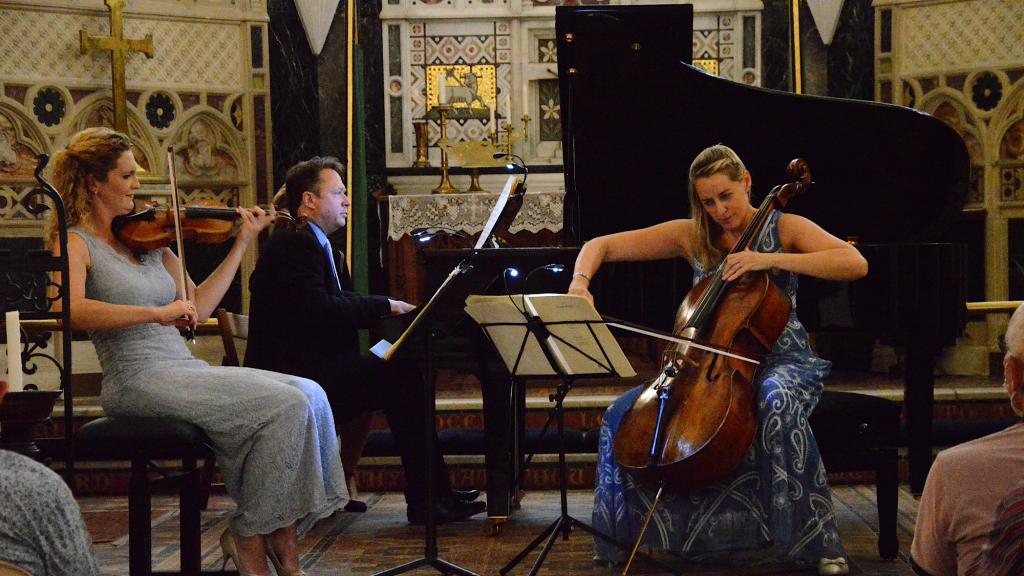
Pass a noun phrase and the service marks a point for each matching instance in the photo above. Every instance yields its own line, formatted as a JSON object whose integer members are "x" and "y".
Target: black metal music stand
{"x": 501, "y": 217}
{"x": 424, "y": 326}
{"x": 598, "y": 365}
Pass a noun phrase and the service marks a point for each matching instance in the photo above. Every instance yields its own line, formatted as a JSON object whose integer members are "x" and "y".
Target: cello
{"x": 695, "y": 422}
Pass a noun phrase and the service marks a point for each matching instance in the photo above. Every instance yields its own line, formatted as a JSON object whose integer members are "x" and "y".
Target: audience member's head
{"x": 1013, "y": 361}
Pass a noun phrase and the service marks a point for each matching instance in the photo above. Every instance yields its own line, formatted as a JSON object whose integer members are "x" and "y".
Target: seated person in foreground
{"x": 41, "y": 527}
{"x": 971, "y": 517}
{"x": 301, "y": 321}
{"x": 273, "y": 434}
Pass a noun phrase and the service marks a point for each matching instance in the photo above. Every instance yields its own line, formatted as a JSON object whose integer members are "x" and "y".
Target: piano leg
{"x": 918, "y": 400}
{"x": 499, "y": 425}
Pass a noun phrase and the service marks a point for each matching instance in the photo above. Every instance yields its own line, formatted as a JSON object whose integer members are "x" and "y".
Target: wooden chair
{"x": 232, "y": 326}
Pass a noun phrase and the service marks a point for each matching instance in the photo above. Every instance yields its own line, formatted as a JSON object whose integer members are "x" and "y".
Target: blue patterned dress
{"x": 776, "y": 506}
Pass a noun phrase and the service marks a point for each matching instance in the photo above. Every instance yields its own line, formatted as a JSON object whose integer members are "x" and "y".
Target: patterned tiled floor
{"x": 366, "y": 543}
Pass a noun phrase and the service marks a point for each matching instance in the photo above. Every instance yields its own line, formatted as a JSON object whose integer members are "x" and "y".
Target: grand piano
{"x": 635, "y": 113}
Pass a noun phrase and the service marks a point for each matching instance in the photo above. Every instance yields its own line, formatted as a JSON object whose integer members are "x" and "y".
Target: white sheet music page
{"x": 499, "y": 206}
{"x": 584, "y": 341}
{"x": 505, "y": 323}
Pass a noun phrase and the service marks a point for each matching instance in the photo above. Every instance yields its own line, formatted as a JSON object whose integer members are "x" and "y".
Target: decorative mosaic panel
{"x": 547, "y": 51}
{"x": 715, "y": 50}
{"x": 971, "y": 34}
{"x": 11, "y": 207}
{"x": 475, "y": 68}
{"x": 216, "y": 61}
{"x": 1011, "y": 183}
{"x": 550, "y": 112}
{"x": 446, "y": 44}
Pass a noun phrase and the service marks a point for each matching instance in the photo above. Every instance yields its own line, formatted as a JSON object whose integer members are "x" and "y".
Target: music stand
{"x": 423, "y": 326}
{"x": 560, "y": 336}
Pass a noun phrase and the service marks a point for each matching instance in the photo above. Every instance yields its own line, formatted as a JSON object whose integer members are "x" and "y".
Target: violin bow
{"x": 631, "y": 327}
{"x": 190, "y": 331}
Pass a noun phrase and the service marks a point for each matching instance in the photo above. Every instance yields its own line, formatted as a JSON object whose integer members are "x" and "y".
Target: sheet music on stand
{"x": 513, "y": 186}
{"x": 545, "y": 335}
{"x": 578, "y": 339}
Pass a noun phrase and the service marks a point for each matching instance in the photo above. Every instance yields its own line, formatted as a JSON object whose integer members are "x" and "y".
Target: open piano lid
{"x": 634, "y": 115}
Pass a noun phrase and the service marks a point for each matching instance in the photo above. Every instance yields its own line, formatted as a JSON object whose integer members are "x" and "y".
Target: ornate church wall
{"x": 963, "y": 62}
{"x": 204, "y": 94}
{"x": 501, "y": 56}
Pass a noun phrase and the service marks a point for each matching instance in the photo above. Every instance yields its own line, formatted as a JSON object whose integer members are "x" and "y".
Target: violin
{"x": 152, "y": 225}
{"x": 695, "y": 422}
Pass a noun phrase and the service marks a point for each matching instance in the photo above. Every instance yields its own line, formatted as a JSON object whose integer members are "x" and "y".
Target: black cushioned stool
{"x": 141, "y": 440}
{"x": 861, "y": 432}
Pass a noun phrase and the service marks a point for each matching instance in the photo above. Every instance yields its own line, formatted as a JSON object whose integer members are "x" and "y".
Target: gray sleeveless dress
{"x": 273, "y": 434}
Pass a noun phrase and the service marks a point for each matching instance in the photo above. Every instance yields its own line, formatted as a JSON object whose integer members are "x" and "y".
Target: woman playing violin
{"x": 777, "y": 503}
{"x": 273, "y": 434}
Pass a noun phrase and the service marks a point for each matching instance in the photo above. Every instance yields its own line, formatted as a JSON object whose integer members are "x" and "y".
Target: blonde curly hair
{"x": 92, "y": 152}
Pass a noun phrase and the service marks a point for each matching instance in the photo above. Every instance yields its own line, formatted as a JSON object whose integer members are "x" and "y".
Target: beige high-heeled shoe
{"x": 230, "y": 550}
{"x": 281, "y": 571}
{"x": 833, "y": 566}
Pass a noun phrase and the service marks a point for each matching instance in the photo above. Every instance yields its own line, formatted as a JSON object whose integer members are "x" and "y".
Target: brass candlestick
{"x": 445, "y": 187}
{"x": 507, "y": 126}
{"x": 422, "y": 143}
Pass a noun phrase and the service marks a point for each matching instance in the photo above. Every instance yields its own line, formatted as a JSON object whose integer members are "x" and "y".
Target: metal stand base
{"x": 430, "y": 558}
{"x": 442, "y": 566}
{"x": 565, "y": 523}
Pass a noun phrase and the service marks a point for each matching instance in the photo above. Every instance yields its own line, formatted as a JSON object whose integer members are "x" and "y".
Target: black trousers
{"x": 395, "y": 387}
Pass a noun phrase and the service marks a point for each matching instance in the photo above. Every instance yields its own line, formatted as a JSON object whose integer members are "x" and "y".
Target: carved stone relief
{"x": 203, "y": 151}
{"x": 17, "y": 150}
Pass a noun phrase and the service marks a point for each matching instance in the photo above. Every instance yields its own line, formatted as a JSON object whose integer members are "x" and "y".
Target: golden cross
{"x": 118, "y": 46}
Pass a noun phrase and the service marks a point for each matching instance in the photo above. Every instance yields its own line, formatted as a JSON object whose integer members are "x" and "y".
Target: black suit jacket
{"x": 300, "y": 322}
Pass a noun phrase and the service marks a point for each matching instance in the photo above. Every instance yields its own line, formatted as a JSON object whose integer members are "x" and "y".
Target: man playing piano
{"x": 304, "y": 322}
{"x": 777, "y": 504}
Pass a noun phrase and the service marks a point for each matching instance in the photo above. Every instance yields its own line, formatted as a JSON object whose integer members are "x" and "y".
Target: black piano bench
{"x": 141, "y": 440}
{"x": 858, "y": 432}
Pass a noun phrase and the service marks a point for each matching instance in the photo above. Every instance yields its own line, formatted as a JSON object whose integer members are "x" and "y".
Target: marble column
{"x": 293, "y": 90}
{"x": 844, "y": 69}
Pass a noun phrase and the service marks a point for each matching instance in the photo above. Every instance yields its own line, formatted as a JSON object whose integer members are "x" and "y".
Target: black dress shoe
{"x": 465, "y": 495}
{"x": 357, "y": 506}
{"x": 450, "y": 510}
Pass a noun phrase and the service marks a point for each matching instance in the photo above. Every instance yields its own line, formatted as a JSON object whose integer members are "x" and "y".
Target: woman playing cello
{"x": 777, "y": 503}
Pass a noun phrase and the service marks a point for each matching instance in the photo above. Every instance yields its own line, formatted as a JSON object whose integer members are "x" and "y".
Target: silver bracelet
{"x": 581, "y": 275}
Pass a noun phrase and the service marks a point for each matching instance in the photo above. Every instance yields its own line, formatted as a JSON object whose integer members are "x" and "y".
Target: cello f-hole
{"x": 711, "y": 368}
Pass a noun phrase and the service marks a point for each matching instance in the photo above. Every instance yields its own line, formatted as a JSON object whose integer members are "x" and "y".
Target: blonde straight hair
{"x": 717, "y": 159}
{"x": 91, "y": 152}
